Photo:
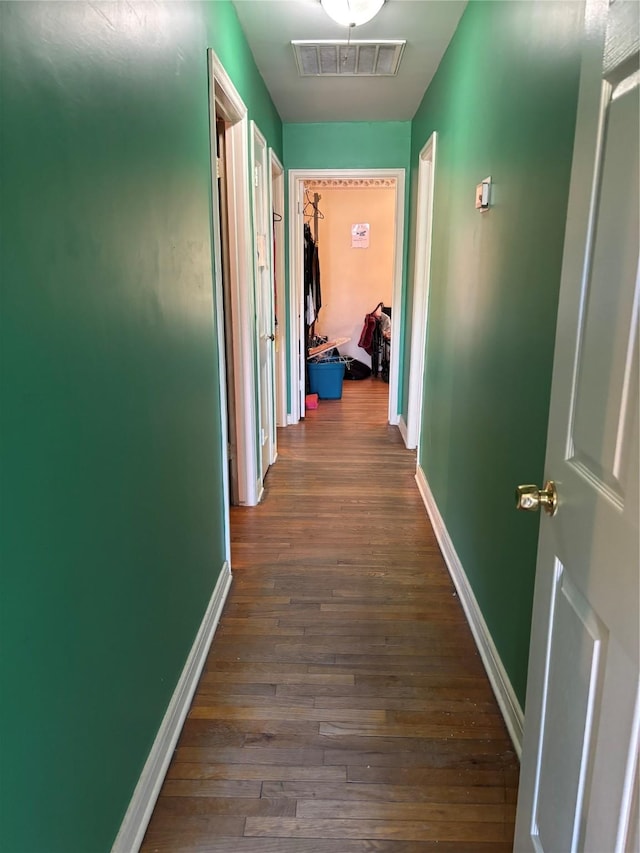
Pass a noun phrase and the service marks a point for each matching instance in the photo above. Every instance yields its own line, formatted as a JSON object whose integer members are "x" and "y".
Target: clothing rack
{"x": 313, "y": 352}
{"x": 312, "y": 300}
{"x": 376, "y": 343}
{"x": 317, "y": 213}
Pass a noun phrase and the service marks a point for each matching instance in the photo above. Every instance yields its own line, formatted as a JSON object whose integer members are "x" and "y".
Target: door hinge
{"x": 218, "y": 168}
{"x": 256, "y": 178}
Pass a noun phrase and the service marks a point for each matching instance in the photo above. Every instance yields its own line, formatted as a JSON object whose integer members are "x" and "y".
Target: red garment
{"x": 366, "y": 337}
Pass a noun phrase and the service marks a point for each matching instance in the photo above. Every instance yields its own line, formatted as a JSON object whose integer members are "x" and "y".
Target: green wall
{"x": 351, "y": 145}
{"x": 227, "y": 39}
{"x": 348, "y": 145}
{"x": 503, "y": 103}
{"x": 111, "y": 505}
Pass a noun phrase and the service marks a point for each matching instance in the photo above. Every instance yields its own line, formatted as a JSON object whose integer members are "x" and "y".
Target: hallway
{"x": 343, "y": 707}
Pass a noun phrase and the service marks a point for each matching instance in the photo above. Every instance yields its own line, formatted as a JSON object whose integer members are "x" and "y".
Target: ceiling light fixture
{"x": 352, "y": 13}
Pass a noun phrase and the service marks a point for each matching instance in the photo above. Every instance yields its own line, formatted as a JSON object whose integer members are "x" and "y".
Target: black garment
{"x": 311, "y": 272}
{"x": 311, "y": 291}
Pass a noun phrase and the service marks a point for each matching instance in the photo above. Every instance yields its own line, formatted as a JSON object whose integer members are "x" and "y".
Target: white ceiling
{"x": 271, "y": 25}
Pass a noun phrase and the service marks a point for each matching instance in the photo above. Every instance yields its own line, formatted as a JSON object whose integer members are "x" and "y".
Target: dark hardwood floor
{"x": 343, "y": 707}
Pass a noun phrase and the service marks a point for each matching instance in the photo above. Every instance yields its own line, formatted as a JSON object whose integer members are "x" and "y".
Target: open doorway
{"x": 305, "y": 187}
{"x": 233, "y": 263}
{"x": 221, "y": 128}
{"x": 351, "y": 226}
{"x": 424, "y": 227}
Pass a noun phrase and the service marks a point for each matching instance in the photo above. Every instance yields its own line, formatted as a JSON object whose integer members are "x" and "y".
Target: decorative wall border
{"x": 350, "y": 183}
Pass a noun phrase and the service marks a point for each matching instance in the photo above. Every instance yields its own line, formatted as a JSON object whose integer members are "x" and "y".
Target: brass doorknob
{"x": 531, "y": 498}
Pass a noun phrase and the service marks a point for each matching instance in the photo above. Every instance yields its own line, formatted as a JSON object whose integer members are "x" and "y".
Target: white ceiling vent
{"x": 348, "y": 58}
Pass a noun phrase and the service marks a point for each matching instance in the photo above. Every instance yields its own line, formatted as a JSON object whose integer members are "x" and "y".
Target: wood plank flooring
{"x": 343, "y": 707}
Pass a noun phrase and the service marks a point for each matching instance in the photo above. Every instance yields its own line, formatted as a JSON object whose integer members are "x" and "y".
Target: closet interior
{"x": 349, "y": 249}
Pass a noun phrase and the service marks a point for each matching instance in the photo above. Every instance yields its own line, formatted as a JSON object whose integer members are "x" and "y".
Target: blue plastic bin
{"x": 325, "y": 378}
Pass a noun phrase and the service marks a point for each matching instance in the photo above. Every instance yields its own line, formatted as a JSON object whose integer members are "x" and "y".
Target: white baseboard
{"x": 500, "y": 682}
{"x": 144, "y": 797}
{"x": 402, "y": 426}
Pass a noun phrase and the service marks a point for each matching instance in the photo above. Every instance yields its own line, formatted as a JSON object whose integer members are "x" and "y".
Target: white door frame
{"x": 226, "y": 103}
{"x": 297, "y": 177}
{"x": 421, "y": 281}
{"x": 278, "y": 278}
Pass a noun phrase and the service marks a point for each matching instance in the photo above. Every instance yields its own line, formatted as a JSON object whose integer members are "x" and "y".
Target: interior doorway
{"x": 233, "y": 265}
{"x": 304, "y": 186}
{"x": 351, "y": 226}
{"x": 221, "y": 129}
{"x": 422, "y": 271}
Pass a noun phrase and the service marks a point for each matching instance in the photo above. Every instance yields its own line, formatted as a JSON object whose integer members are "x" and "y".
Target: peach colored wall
{"x": 353, "y": 281}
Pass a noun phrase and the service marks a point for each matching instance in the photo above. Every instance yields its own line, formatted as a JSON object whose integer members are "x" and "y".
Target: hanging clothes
{"x": 315, "y": 277}
{"x": 375, "y": 340}
{"x": 366, "y": 336}
{"x": 312, "y": 291}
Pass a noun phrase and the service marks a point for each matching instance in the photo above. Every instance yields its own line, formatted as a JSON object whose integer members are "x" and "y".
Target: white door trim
{"x": 421, "y": 279}
{"x": 296, "y": 277}
{"x": 217, "y": 305}
{"x": 226, "y": 103}
{"x": 297, "y": 177}
{"x": 228, "y": 94}
{"x": 278, "y": 279}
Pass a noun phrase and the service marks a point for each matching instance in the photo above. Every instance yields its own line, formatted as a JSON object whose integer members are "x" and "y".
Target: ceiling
{"x": 271, "y": 25}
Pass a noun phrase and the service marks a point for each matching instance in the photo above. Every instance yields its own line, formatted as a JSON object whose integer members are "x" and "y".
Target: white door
{"x": 579, "y": 782}
{"x": 264, "y": 301}
{"x": 278, "y": 284}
